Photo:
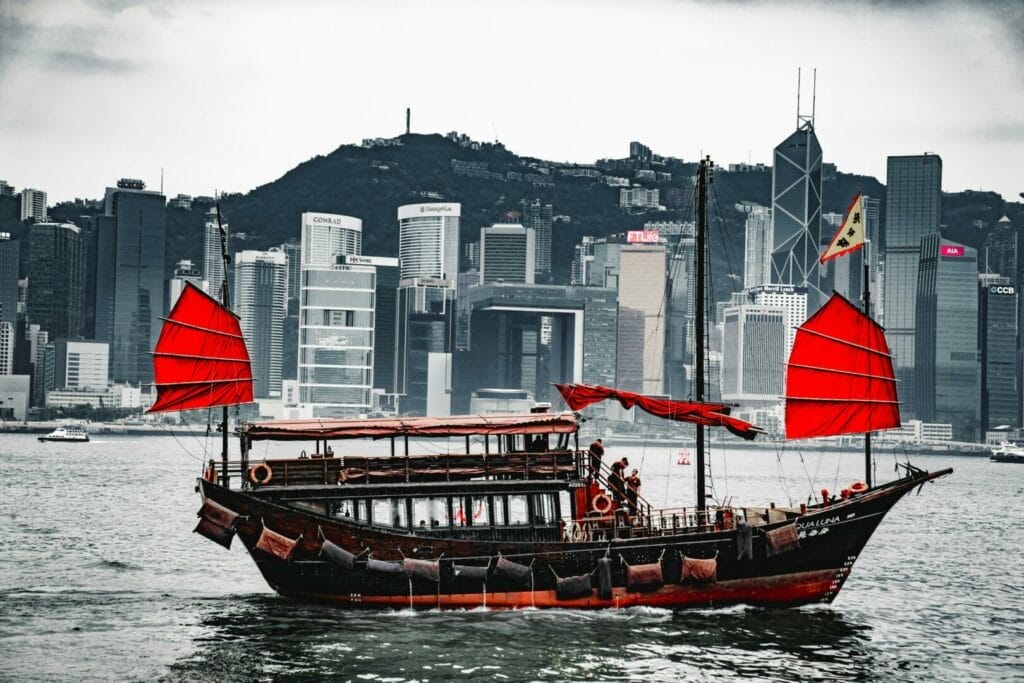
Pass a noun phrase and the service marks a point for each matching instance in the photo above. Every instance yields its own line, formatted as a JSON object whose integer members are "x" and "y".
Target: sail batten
{"x": 839, "y": 378}
{"x": 221, "y": 359}
{"x": 200, "y": 328}
{"x": 847, "y": 342}
{"x": 200, "y": 360}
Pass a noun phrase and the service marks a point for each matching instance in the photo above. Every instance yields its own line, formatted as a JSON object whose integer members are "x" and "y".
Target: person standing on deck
{"x": 633, "y": 491}
{"x": 596, "y": 452}
{"x": 616, "y": 480}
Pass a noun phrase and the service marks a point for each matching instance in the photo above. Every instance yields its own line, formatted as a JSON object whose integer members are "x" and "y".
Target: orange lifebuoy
{"x": 601, "y": 504}
{"x": 726, "y": 519}
{"x": 858, "y": 487}
{"x": 261, "y": 474}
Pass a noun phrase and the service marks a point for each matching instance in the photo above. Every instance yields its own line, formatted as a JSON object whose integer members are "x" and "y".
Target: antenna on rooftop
{"x": 495, "y": 128}
{"x": 408, "y": 119}
{"x": 803, "y": 121}
{"x": 161, "y": 180}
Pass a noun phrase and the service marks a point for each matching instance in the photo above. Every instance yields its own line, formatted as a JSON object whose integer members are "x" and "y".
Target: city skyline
{"x": 964, "y": 60}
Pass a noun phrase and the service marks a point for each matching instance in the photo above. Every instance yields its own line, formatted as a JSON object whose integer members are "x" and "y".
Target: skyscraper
{"x": 10, "y": 258}
{"x": 583, "y": 258}
{"x": 184, "y": 272}
{"x": 913, "y": 210}
{"x": 260, "y": 300}
{"x": 6, "y": 348}
{"x": 1001, "y": 253}
{"x": 384, "y": 317}
{"x": 874, "y": 251}
{"x": 998, "y": 326}
{"x": 792, "y": 300}
{"x": 336, "y": 320}
{"x": 56, "y": 279}
{"x": 81, "y": 365}
{"x": 757, "y": 263}
{"x": 538, "y": 216}
{"x": 946, "y": 343}
{"x": 796, "y": 212}
{"x": 326, "y": 236}
{"x": 130, "y": 282}
{"x": 428, "y": 240}
{"x": 33, "y": 205}
{"x": 641, "y": 287}
{"x": 293, "y": 252}
{"x": 424, "y": 345}
{"x": 507, "y": 253}
{"x": 753, "y": 353}
{"x": 213, "y": 259}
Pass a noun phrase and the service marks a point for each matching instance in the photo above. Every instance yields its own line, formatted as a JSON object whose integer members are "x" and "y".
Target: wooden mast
{"x": 698, "y": 346}
{"x": 224, "y": 299}
{"x": 866, "y": 288}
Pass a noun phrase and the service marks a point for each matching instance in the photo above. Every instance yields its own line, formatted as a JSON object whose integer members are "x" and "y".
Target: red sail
{"x": 839, "y": 378}
{"x": 579, "y": 396}
{"x": 200, "y": 360}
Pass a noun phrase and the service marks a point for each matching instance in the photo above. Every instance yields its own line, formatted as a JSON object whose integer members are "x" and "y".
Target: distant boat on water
{"x": 72, "y": 433}
{"x": 1007, "y": 452}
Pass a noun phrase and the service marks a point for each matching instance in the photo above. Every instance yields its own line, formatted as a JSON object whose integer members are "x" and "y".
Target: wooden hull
{"x": 830, "y": 540}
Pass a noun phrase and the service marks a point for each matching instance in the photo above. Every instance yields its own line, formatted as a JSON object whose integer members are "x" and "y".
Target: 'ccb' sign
{"x": 1001, "y": 289}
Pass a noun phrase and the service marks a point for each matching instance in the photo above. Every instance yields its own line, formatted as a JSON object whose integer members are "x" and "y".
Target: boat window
{"x": 518, "y": 512}
{"x": 390, "y": 512}
{"x": 500, "y": 518}
{"x": 481, "y": 516}
{"x": 430, "y": 513}
{"x": 544, "y": 509}
{"x": 351, "y": 509}
{"x": 470, "y": 511}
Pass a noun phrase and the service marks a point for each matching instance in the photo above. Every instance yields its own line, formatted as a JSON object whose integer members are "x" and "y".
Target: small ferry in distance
{"x": 1007, "y": 452}
{"x": 73, "y": 433}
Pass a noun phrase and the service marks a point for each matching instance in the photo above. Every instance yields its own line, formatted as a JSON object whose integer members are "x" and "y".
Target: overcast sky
{"x": 230, "y": 95}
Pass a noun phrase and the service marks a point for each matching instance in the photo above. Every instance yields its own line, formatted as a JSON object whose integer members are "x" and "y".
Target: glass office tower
{"x": 913, "y": 210}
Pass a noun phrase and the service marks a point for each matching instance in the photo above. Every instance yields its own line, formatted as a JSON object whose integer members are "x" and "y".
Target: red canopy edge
{"x": 839, "y": 378}
{"x": 579, "y": 396}
{"x": 200, "y": 360}
{"x": 377, "y": 428}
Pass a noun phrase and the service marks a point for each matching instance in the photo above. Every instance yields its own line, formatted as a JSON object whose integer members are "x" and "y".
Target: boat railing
{"x": 354, "y": 469}
{"x": 619, "y": 524}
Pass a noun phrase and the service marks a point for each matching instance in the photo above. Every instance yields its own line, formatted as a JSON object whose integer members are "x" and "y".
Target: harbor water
{"x": 101, "y": 578}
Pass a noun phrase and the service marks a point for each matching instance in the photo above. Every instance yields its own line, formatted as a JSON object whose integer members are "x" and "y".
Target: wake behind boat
{"x": 508, "y": 510}
{"x": 71, "y": 433}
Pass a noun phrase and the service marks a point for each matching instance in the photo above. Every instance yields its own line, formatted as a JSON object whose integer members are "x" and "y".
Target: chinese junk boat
{"x": 516, "y": 516}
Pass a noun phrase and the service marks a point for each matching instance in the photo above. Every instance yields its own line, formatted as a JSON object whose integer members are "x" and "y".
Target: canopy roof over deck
{"x": 382, "y": 428}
